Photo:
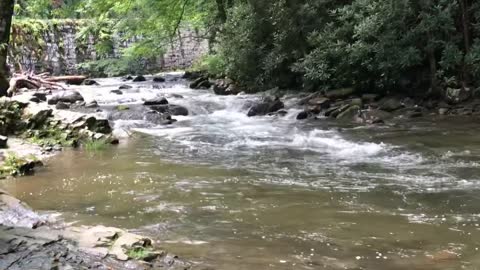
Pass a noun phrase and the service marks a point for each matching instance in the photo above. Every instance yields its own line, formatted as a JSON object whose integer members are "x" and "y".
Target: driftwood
{"x": 32, "y": 81}
{"x": 74, "y": 79}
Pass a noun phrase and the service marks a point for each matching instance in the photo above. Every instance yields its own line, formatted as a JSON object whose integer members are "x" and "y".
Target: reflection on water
{"x": 255, "y": 193}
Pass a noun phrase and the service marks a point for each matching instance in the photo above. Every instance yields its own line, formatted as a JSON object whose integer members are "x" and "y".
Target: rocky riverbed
{"x": 241, "y": 181}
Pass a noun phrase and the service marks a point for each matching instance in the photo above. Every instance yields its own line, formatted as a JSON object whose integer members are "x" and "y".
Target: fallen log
{"x": 74, "y": 79}
{"x": 19, "y": 81}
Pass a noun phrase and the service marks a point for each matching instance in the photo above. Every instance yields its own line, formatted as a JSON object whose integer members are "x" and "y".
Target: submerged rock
{"x": 171, "y": 109}
{"x": 118, "y": 92}
{"x": 268, "y": 105}
{"x": 158, "y": 79}
{"x": 125, "y": 87}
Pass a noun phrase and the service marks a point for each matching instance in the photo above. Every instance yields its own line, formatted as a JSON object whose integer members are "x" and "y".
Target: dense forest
{"x": 417, "y": 47}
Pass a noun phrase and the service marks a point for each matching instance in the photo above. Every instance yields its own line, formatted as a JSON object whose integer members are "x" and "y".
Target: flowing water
{"x": 232, "y": 192}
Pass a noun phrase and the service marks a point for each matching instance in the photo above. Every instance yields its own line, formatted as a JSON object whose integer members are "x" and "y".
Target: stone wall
{"x": 61, "y": 50}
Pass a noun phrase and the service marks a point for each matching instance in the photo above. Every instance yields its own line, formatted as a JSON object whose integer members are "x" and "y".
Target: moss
{"x": 139, "y": 253}
{"x": 122, "y": 108}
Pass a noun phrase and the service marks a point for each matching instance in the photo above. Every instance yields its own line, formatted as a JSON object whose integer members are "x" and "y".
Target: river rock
{"x": 457, "y": 95}
{"x": 90, "y": 82}
{"x": 98, "y": 125}
{"x": 15, "y": 213}
{"x": 91, "y": 104}
{"x": 39, "y": 119}
{"x": 350, "y": 113}
{"x": 201, "y": 83}
{"x": 390, "y": 104}
{"x": 159, "y": 118}
{"x": 375, "y": 116}
{"x": 127, "y": 78}
{"x": 268, "y": 105}
{"x": 225, "y": 87}
{"x": 158, "y": 79}
{"x": 118, "y": 92}
{"x": 139, "y": 78}
{"x": 40, "y": 96}
{"x": 125, "y": 87}
{"x": 341, "y": 93}
{"x": 170, "y": 109}
{"x": 156, "y": 101}
{"x": 62, "y": 106}
{"x": 68, "y": 96}
{"x": 303, "y": 115}
{"x": 3, "y": 142}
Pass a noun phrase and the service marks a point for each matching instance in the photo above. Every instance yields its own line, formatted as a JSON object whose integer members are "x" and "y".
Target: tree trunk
{"x": 6, "y": 13}
{"x": 465, "y": 19}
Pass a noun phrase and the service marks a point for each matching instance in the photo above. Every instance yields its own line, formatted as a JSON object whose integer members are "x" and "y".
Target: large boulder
{"x": 268, "y": 105}
{"x": 341, "y": 93}
{"x": 68, "y": 96}
{"x": 225, "y": 87}
{"x": 156, "y": 101}
{"x": 170, "y": 109}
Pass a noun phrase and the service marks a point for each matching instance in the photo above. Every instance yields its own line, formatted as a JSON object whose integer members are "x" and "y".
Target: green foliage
{"x": 213, "y": 64}
{"x": 113, "y": 67}
{"x": 15, "y": 165}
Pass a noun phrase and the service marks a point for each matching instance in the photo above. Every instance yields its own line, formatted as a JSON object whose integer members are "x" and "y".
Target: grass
{"x": 95, "y": 145}
{"x": 122, "y": 108}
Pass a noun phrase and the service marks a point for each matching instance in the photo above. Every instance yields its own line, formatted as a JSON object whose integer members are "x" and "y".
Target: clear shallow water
{"x": 233, "y": 192}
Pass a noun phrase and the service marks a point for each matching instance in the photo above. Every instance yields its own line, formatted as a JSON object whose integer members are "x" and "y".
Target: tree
{"x": 6, "y": 13}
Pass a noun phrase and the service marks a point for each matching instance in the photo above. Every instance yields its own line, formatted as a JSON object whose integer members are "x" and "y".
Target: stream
{"x": 235, "y": 193}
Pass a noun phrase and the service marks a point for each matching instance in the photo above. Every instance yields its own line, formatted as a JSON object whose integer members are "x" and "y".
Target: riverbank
{"x": 32, "y": 241}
